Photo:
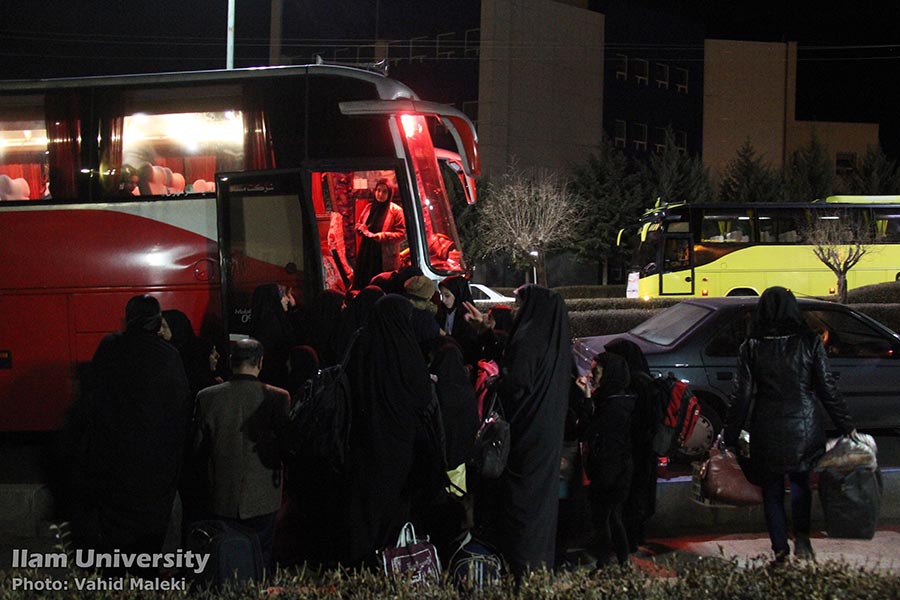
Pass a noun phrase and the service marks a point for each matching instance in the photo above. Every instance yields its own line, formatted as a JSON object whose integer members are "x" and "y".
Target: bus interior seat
{"x": 201, "y": 185}
{"x": 154, "y": 180}
{"x": 14, "y": 189}
{"x": 177, "y": 186}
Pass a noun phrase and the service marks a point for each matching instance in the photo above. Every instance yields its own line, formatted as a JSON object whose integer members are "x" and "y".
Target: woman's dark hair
{"x": 459, "y": 287}
{"x": 777, "y": 314}
{"x": 387, "y": 185}
{"x": 266, "y": 307}
{"x": 503, "y": 317}
{"x": 616, "y": 375}
{"x": 142, "y": 313}
{"x": 180, "y": 325}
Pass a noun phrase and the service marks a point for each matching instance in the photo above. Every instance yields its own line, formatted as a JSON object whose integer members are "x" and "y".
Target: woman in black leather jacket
{"x": 783, "y": 371}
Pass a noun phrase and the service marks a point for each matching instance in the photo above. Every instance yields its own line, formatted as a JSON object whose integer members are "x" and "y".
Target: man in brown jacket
{"x": 236, "y": 444}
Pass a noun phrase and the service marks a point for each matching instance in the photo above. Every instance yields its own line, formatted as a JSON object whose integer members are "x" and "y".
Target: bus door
{"x": 677, "y": 273}
{"x": 347, "y": 196}
{"x": 267, "y": 234}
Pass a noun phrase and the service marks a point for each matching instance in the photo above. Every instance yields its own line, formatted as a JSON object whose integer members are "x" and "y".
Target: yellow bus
{"x": 727, "y": 249}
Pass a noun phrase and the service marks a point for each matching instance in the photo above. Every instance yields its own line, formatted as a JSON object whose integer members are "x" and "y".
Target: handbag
{"x": 413, "y": 559}
{"x": 722, "y": 480}
{"x": 492, "y": 441}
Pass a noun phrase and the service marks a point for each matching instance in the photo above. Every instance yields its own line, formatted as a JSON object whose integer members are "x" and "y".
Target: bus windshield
{"x": 442, "y": 241}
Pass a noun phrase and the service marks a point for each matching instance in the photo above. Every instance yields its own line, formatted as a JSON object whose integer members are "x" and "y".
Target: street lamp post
{"x": 229, "y": 42}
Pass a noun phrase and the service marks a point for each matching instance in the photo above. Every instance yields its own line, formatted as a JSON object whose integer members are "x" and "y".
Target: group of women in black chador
{"x": 415, "y": 418}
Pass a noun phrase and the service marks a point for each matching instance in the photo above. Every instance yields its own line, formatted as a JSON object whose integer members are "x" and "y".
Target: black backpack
{"x": 318, "y": 433}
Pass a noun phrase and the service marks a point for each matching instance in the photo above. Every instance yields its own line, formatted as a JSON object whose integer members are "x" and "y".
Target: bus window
{"x": 172, "y": 144}
{"x": 23, "y": 150}
{"x": 677, "y": 254}
{"x": 726, "y": 226}
{"x": 841, "y": 225}
{"x": 887, "y": 225}
{"x": 345, "y": 199}
{"x": 782, "y": 226}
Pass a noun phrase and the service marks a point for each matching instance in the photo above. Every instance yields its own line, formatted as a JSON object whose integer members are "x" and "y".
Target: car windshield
{"x": 669, "y": 325}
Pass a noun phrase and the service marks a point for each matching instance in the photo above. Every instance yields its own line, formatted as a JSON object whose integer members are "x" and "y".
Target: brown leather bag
{"x": 723, "y": 481}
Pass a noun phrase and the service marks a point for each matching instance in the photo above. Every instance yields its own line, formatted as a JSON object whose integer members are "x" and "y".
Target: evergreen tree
{"x": 608, "y": 197}
{"x": 875, "y": 175}
{"x": 673, "y": 176}
{"x": 748, "y": 179}
{"x": 810, "y": 172}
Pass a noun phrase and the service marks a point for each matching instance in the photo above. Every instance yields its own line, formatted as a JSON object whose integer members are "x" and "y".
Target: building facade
{"x": 750, "y": 94}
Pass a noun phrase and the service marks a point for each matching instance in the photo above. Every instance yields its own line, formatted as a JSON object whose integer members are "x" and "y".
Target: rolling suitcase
{"x": 234, "y": 552}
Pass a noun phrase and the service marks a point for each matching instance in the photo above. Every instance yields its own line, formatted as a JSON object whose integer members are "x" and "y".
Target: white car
{"x": 483, "y": 295}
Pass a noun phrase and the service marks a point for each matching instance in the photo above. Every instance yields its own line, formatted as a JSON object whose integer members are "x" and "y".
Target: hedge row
{"x": 704, "y": 579}
{"x": 884, "y": 313}
{"x": 604, "y": 322}
{"x": 880, "y": 293}
{"x": 581, "y": 304}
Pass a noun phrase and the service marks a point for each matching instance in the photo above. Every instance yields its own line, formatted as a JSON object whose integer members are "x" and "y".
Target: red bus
{"x": 196, "y": 188}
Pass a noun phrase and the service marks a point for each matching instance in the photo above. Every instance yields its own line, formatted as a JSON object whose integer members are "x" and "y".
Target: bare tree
{"x": 525, "y": 215}
{"x": 839, "y": 242}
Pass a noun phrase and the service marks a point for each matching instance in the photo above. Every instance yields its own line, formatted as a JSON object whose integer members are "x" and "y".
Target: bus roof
{"x": 388, "y": 88}
{"x": 661, "y": 209}
{"x": 863, "y": 199}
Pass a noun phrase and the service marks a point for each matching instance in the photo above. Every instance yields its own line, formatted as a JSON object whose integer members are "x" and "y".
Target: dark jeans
{"x": 773, "y": 504}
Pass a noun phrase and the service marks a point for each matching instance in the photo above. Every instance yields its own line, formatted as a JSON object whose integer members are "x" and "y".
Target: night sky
{"x": 849, "y": 59}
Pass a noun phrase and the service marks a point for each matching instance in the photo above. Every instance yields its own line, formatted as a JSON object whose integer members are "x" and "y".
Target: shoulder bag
{"x": 722, "y": 480}
{"x": 491, "y": 442}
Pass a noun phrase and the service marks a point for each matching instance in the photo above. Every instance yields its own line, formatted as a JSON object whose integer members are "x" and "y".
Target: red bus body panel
{"x": 65, "y": 276}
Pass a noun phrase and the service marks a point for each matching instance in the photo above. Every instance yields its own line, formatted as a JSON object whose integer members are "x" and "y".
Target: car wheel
{"x": 705, "y": 431}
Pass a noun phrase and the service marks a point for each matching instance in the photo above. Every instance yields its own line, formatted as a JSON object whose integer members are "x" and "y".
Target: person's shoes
{"x": 780, "y": 559}
{"x": 803, "y": 548}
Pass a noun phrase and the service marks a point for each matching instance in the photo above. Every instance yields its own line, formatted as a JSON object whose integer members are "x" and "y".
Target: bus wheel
{"x": 705, "y": 431}
{"x": 742, "y": 292}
